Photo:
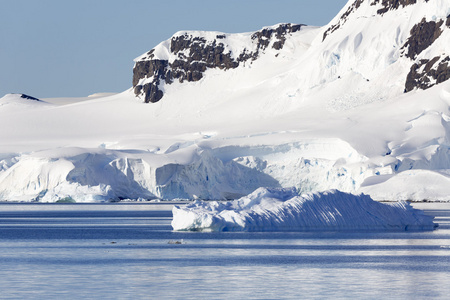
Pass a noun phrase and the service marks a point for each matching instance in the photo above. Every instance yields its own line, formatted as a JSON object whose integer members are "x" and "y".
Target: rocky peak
{"x": 191, "y": 54}
{"x": 382, "y": 5}
{"x": 427, "y": 68}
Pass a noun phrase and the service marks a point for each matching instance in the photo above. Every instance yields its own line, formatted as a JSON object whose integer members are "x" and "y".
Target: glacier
{"x": 315, "y": 108}
{"x": 284, "y": 210}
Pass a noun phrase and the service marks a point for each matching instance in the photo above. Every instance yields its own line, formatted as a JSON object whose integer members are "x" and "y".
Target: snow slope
{"x": 283, "y": 210}
{"x": 326, "y": 111}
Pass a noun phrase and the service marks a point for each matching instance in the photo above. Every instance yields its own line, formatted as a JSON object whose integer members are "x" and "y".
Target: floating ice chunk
{"x": 283, "y": 210}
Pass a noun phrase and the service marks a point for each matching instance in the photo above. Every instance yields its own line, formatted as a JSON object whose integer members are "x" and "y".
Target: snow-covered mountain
{"x": 359, "y": 105}
{"x": 403, "y": 40}
{"x": 187, "y": 56}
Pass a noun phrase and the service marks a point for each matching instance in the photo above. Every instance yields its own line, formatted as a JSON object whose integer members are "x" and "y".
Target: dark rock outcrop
{"x": 193, "y": 55}
{"x": 158, "y": 70}
{"x": 29, "y": 97}
{"x": 392, "y": 4}
{"x": 264, "y": 36}
{"x": 428, "y": 73}
{"x": 422, "y": 36}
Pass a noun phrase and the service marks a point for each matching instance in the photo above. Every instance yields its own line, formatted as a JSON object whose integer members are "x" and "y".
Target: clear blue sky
{"x": 57, "y": 48}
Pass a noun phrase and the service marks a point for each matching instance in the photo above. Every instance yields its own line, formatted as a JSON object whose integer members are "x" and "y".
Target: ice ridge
{"x": 279, "y": 209}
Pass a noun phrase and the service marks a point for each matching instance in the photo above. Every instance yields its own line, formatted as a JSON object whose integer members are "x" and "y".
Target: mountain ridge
{"x": 189, "y": 54}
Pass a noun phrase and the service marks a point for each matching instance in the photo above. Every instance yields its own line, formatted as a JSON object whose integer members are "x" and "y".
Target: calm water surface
{"x": 128, "y": 251}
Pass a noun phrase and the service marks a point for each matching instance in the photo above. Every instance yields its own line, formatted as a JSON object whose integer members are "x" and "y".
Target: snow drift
{"x": 284, "y": 210}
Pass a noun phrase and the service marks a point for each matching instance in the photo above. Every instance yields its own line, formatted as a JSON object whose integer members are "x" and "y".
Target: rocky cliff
{"x": 189, "y": 54}
{"x": 427, "y": 71}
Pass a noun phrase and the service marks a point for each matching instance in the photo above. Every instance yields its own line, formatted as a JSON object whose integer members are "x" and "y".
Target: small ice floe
{"x": 280, "y": 209}
{"x": 180, "y": 242}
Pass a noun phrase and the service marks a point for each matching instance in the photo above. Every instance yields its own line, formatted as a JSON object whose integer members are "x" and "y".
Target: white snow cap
{"x": 283, "y": 210}
{"x": 317, "y": 114}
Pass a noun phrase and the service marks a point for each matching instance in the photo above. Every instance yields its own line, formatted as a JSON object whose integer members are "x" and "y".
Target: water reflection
{"x": 108, "y": 254}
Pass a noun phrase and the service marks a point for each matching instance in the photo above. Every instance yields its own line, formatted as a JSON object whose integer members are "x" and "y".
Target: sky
{"x": 67, "y": 48}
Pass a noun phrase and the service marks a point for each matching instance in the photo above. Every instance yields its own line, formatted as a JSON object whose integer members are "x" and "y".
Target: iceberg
{"x": 282, "y": 209}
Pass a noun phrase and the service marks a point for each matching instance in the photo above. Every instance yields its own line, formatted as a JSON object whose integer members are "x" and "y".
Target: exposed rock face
{"x": 29, "y": 97}
{"x": 193, "y": 55}
{"x": 392, "y": 4}
{"x": 264, "y": 36}
{"x": 427, "y": 73}
{"x": 422, "y": 36}
{"x": 155, "y": 67}
{"x": 201, "y": 55}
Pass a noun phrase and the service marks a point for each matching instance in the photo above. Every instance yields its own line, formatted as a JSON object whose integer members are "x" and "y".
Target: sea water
{"x": 129, "y": 251}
